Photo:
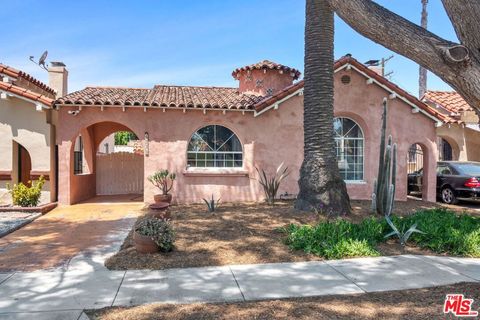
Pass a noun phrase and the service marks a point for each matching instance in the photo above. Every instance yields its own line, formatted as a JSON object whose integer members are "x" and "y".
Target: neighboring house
{"x": 27, "y": 128}
{"x": 460, "y": 139}
{"x": 215, "y": 137}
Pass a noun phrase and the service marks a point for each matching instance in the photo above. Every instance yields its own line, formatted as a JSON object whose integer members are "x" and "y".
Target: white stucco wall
{"x": 20, "y": 122}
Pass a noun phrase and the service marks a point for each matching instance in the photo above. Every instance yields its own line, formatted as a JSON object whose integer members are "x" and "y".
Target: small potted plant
{"x": 152, "y": 235}
{"x": 163, "y": 180}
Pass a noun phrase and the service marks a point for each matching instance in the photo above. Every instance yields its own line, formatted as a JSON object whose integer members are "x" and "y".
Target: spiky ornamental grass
{"x": 212, "y": 205}
{"x": 270, "y": 184}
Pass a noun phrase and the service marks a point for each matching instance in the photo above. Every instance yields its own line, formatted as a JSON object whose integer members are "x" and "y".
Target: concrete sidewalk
{"x": 85, "y": 284}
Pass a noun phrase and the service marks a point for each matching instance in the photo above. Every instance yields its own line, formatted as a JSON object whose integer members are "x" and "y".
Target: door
{"x": 24, "y": 165}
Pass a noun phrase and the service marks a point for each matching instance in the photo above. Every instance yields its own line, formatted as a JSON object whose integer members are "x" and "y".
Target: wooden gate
{"x": 119, "y": 173}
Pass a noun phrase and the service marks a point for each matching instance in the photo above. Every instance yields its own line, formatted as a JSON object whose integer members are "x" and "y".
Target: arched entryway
{"x": 98, "y": 168}
{"x": 421, "y": 174}
{"x": 120, "y": 165}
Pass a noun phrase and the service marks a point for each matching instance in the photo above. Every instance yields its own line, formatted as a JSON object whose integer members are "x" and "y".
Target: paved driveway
{"x": 68, "y": 231}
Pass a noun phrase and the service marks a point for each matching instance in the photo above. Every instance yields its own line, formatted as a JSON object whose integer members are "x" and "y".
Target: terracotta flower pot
{"x": 159, "y": 210}
{"x": 162, "y": 198}
{"x": 144, "y": 244}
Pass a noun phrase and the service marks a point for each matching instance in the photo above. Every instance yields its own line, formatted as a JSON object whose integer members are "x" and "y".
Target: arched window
{"x": 445, "y": 150}
{"x": 349, "y": 146}
{"x": 78, "y": 154}
{"x": 214, "y": 147}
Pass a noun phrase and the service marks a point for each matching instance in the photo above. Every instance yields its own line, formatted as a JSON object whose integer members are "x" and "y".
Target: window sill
{"x": 355, "y": 182}
{"x": 198, "y": 172}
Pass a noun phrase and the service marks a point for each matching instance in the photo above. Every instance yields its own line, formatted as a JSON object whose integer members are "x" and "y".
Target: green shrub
{"x": 123, "y": 137}
{"x": 25, "y": 196}
{"x": 445, "y": 231}
{"x": 160, "y": 231}
{"x": 338, "y": 239}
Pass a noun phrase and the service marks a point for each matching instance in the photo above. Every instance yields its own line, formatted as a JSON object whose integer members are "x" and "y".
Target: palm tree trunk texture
{"x": 321, "y": 186}
{"x": 422, "y": 80}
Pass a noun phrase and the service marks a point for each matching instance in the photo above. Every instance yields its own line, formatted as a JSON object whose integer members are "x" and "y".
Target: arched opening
{"x": 107, "y": 161}
{"x": 446, "y": 151}
{"x": 415, "y": 170}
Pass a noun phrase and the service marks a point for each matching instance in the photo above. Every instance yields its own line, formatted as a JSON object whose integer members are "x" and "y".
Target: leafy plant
{"x": 445, "y": 231}
{"x": 25, "y": 196}
{"x": 160, "y": 231}
{"x": 403, "y": 236}
{"x": 271, "y": 184}
{"x": 123, "y": 137}
{"x": 163, "y": 180}
{"x": 212, "y": 205}
{"x": 337, "y": 239}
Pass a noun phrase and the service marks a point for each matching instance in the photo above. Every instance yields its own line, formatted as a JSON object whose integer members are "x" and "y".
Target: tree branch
{"x": 400, "y": 35}
{"x": 464, "y": 16}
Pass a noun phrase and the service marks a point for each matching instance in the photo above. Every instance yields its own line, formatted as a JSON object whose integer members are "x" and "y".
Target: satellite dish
{"x": 41, "y": 61}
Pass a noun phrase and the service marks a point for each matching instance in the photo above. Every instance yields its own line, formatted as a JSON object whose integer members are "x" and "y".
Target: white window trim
{"x": 362, "y": 181}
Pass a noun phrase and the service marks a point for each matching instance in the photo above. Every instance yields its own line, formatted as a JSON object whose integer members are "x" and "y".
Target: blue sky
{"x": 185, "y": 42}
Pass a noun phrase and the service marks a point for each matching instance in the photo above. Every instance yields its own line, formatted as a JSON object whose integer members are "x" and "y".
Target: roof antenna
{"x": 41, "y": 61}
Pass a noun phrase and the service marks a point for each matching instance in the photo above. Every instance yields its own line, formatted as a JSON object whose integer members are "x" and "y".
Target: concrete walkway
{"x": 85, "y": 284}
{"x": 52, "y": 240}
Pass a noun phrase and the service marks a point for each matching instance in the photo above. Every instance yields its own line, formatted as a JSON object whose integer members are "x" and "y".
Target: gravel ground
{"x": 11, "y": 221}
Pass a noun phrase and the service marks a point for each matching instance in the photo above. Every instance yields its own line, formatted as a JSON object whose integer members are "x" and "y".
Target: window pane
{"x": 214, "y": 146}
{"x": 349, "y": 149}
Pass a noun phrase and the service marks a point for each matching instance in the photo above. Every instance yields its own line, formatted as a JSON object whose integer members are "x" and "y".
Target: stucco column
{"x": 430, "y": 157}
{"x": 64, "y": 172}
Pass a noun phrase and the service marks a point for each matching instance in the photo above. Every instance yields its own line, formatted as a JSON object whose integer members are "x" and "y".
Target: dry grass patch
{"x": 417, "y": 304}
{"x": 239, "y": 233}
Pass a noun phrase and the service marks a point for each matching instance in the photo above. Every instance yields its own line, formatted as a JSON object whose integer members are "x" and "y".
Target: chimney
{"x": 58, "y": 78}
{"x": 377, "y": 66}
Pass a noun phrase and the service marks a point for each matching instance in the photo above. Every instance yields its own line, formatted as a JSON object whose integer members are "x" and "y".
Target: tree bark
{"x": 422, "y": 77}
{"x": 456, "y": 64}
{"x": 321, "y": 186}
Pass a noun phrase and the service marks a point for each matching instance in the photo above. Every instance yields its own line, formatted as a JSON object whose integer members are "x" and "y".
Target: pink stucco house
{"x": 213, "y": 137}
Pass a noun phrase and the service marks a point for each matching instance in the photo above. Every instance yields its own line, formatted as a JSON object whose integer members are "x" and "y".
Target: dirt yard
{"x": 418, "y": 304}
{"x": 241, "y": 234}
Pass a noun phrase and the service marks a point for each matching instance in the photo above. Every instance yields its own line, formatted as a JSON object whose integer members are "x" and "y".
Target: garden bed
{"x": 242, "y": 234}
{"x": 42, "y": 208}
{"x": 416, "y": 304}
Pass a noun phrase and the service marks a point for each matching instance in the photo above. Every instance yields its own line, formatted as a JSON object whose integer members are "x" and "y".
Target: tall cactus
{"x": 384, "y": 186}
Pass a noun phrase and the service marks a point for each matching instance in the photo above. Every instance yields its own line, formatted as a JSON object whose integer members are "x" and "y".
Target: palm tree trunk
{"x": 422, "y": 80}
{"x": 321, "y": 186}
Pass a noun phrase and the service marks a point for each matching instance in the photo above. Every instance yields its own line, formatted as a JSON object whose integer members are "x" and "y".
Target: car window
{"x": 468, "y": 168}
{"x": 444, "y": 170}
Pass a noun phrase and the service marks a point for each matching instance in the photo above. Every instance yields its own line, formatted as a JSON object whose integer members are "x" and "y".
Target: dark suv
{"x": 455, "y": 179}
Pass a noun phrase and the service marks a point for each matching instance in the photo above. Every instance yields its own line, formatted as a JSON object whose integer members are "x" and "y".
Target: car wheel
{"x": 448, "y": 196}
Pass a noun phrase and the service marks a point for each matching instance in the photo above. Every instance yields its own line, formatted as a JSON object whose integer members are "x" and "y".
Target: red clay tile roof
{"x": 14, "y": 73}
{"x": 266, "y": 64}
{"x": 164, "y": 96}
{"x": 449, "y": 100}
{"x": 25, "y": 93}
{"x": 370, "y": 73}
